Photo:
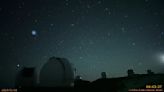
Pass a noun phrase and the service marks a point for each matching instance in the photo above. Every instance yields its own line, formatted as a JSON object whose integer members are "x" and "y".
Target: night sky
{"x": 96, "y": 36}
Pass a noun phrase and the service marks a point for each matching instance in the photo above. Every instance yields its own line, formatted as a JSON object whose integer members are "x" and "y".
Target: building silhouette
{"x": 132, "y": 81}
{"x": 103, "y": 74}
{"x": 149, "y": 72}
{"x": 59, "y": 73}
{"x": 56, "y": 72}
{"x": 26, "y": 77}
{"x": 130, "y": 72}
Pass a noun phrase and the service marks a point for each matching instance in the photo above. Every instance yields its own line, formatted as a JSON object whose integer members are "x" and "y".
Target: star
{"x": 88, "y": 6}
{"x": 33, "y": 32}
{"x": 146, "y": 0}
{"x": 133, "y": 44}
{"x": 80, "y": 47}
{"x": 66, "y": 4}
{"x": 72, "y": 25}
{"x": 18, "y": 65}
{"x": 109, "y": 13}
{"x": 35, "y": 21}
{"x": 106, "y": 9}
{"x": 123, "y": 29}
{"x": 161, "y": 58}
{"x": 80, "y": 57}
{"x": 126, "y": 16}
{"x": 108, "y": 34}
{"x": 99, "y": 2}
{"x": 72, "y": 11}
{"x": 51, "y": 24}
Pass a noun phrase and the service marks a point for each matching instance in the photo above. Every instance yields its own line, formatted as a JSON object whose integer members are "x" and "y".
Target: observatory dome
{"x": 56, "y": 72}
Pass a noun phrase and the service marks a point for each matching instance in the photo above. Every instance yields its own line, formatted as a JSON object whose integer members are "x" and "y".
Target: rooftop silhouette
{"x": 57, "y": 73}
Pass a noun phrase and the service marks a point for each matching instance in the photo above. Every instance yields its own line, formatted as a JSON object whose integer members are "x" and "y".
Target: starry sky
{"x": 94, "y": 35}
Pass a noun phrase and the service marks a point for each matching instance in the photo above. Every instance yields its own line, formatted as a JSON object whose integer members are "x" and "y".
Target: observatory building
{"x": 56, "y": 72}
{"x": 26, "y": 77}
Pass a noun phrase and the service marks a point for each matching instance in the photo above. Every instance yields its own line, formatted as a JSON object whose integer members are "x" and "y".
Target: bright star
{"x": 162, "y": 58}
{"x": 18, "y": 65}
{"x": 34, "y": 33}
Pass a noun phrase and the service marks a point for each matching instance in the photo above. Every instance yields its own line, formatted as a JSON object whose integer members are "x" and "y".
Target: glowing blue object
{"x": 34, "y": 33}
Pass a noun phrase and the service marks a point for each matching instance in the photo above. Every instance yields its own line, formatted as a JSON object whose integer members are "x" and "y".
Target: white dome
{"x": 56, "y": 72}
